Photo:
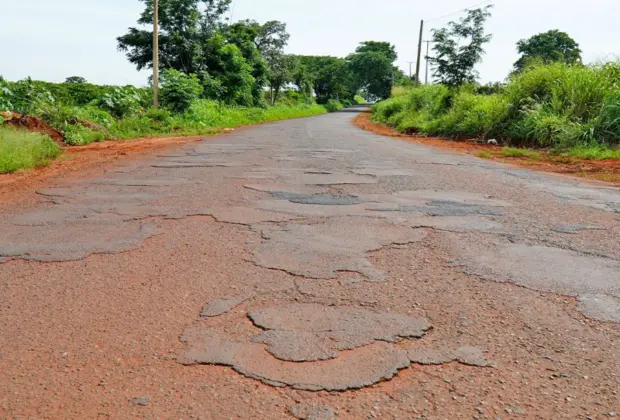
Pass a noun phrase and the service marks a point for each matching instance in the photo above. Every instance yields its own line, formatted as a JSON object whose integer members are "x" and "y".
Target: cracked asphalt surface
{"x": 308, "y": 269}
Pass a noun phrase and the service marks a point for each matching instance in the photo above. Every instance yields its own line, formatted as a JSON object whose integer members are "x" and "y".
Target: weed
{"x": 485, "y": 154}
{"x": 21, "y": 149}
{"x": 593, "y": 152}
{"x": 517, "y": 152}
{"x": 547, "y": 105}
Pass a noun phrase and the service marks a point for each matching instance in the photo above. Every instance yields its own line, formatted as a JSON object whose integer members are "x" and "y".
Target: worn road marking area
{"x": 307, "y": 269}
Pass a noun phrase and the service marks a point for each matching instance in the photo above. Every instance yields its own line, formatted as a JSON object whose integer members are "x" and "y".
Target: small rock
{"x": 141, "y": 401}
{"x": 493, "y": 142}
{"x": 612, "y": 414}
{"x": 312, "y": 412}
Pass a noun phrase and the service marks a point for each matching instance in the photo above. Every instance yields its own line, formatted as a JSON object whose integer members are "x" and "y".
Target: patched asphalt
{"x": 310, "y": 256}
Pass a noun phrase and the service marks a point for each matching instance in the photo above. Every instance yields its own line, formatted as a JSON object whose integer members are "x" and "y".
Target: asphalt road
{"x": 309, "y": 269}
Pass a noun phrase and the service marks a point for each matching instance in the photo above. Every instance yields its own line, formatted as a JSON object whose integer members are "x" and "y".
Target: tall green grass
{"x": 21, "y": 149}
{"x": 554, "y": 105}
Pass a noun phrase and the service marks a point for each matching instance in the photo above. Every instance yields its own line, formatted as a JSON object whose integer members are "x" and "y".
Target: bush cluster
{"x": 554, "y": 105}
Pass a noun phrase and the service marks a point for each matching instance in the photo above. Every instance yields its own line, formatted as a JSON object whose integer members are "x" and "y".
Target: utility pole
{"x": 410, "y": 73}
{"x": 155, "y": 54}
{"x": 428, "y": 43}
{"x": 417, "y": 67}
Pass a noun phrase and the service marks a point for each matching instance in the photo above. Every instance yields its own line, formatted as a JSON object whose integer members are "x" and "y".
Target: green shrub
{"x": 179, "y": 90}
{"x": 517, "y": 152}
{"x": 21, "y": 149}
{"x": 160, "y": 115}
{"x": 121, "y": 102}
{"x": 26, "y": 96}
{"x": 385, "y": 109}
{"x": 474, "y": 116}
{"x": 555, "y": 105}
{"x": 593, "y": 152}
{"x": 77, "y": 135}
{"x": 333, "y": 105}
{"x": 6, "y": 96}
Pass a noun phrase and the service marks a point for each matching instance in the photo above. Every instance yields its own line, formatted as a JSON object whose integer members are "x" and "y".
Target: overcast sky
{"x": 51, "y": 40}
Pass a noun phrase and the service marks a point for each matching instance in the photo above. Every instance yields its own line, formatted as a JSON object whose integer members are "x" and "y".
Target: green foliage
{"x": 233, "y": 62}
{"x": 548, "y": 47}
{"x": 77, "y": 135}
{"x": 593, "y": 152}
{"x": 6, "y": 96}
{"x": 459, "y": 47}
{"x": 20, "y": 149}
{"x": 518, "y": 152}
{"x": 555, "y": 105}
{"x": 372, "y": 65}
{"x": 159, "y": 115}
{"x": 282, "y": 70}
{"x": 121, "y": 102}
{"x": 333, "y": 105}
{"x": 331, "y": 78}
{"x": 484, "y": 154}
{"x": 75, "y": 79}
{"x": 178, "y": 90}
{"x": 26, "y": 96}
{"x": 212, "y": 114}
{"x": 359, "y": 100}
{"x": 471, "y": 116}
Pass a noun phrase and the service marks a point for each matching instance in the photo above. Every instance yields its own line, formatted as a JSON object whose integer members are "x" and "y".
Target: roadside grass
{"x": 573, "y": 109}
{"x": 518, "y": 152}
{"x": 485, "y": 154}
{"x": 593, "y": 153}
{"x": 21, "y": 149}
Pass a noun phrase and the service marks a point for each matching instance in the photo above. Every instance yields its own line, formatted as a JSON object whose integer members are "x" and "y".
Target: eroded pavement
{"x": 307, "y": 269}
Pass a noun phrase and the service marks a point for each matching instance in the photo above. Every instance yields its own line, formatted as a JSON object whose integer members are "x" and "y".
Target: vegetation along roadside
{"x": 217, "y": 75}
{"x": 552, "y": 108}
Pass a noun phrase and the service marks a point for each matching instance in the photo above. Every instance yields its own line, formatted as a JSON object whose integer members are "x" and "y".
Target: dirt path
{"x": 309, "y": 269}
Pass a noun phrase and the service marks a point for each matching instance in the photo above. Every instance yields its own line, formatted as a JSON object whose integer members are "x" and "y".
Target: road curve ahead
{"x": 308, "y": 269}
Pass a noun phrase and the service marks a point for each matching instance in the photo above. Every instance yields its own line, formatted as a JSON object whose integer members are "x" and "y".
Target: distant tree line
{"x": 244, "y": 62}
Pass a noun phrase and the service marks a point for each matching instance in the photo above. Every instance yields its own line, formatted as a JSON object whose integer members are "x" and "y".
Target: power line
{"x": 459, "y": 11}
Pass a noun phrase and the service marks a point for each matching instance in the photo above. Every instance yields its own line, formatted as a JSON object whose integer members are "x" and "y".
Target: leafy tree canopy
{"x": 331, "y": 77}
{"x": 372, "y": 64}
{"x": 459, "y": 47}
{"x": 75, "y": 79}
{"x": 548, "y": 47}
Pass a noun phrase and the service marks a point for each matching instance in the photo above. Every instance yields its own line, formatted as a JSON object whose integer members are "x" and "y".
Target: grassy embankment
{"x": 571, "y": 111}
{"x": 86, "y": 113}
{"x": 20, "y": 149}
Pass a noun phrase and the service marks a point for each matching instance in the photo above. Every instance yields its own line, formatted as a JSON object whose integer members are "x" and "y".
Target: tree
{"x": 272, "y": 38}
{"x": 459, "y": 47}
{"x": 184, "y": 28}
{"x": 331, "y": 78}
{"x": 244, "y": 34}
{"x": 282, "y": 72}
{"x": 75, "y": 79}
{"x": 228, "y": 76}
{"x": 178, "y": 90}
{"x": 263, "y": 48}
{"x": 548, "y": 47}
{"x": 373, "y": 67}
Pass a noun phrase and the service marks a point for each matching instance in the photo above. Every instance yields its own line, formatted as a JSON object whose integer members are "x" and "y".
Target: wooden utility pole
{"x": 417, "y": 67}
{"x": 156, "y": 54}
{"x": 428, "y": 43}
